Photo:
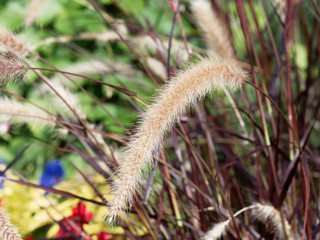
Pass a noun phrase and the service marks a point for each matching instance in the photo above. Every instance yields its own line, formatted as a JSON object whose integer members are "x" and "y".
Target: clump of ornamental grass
{"x": 208, "y": 144}
{"x": 7, "y": 230}
{"x": 182, "y": 91}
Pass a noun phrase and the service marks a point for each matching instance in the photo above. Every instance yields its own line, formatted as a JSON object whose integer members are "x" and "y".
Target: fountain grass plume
{"x": 215, "y": 32}
{"x": 262, "y": 212}
{"x": 65, "y": 95}
{"x": 14, "y": 111}
{"x": 217, "y": 231}
{"x": 267, "y": 214}
{"x": 7, "y": 230}
{"x": 173, "y": 100}
{"x": 12, "y": 43}
{"x": 11, "y": 68}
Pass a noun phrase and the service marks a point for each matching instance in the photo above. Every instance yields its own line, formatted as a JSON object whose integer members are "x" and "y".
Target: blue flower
{"x": 4, "y": 175}
{"x": 52, "y": 174}
{"x": 2, "y": 181}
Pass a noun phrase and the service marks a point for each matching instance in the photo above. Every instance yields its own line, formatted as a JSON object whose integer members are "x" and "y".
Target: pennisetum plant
{"x": 215, "y": 166}
{"x": 172, "y": 101}
{"x": 12, "y": 44}
{"x": 11, "y": 68}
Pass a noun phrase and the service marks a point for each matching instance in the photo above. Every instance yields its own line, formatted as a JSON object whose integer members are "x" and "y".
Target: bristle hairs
{"x": 262, "y": 212}
{"x": 217, "y": 231}
{"x": 12, "y": 51}
{"x": 12, "y": 110}
{"x": 266, "y": 213}
{"x": 11, "y": 68}
{"x": 172, "y": 101}
{"x": 7, "y": 230}
{"x": 12, "y": 44}
{"x": 215, "y": 32}
{"x": 220, "y": 229}
{"x": 65, "y": 95}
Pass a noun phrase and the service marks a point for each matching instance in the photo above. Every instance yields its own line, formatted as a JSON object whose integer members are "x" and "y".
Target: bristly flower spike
{"x": 215, "y": 32}
{"x": 182, "y": 91}
{"x": 11, "y": 43}
{"x": 11, "y": 68}
{"x": 7, "y": 230}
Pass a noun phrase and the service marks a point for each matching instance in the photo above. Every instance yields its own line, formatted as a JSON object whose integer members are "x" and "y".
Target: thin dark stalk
{"x": 170, "y": 38}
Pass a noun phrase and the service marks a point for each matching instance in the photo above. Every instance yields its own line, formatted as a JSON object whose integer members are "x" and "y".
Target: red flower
{"x": 79, "y": 217}
{"x": 103, "y": 236}
{"x": 80, "y": 212}
{"x": 72, "y": 228}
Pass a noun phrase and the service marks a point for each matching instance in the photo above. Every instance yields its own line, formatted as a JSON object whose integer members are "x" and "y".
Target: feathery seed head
{"x": 177, "y": 47}
{"x": 66, "y": 96}
{"x": 157, "y": 68}
{"x": 11, "y": 110}
{"x": 12, "y": 44}
{"x": 268, "y": 214}
{"x": 217, "y": 231}
{"x": 265, "y": 213}
{"x": 280, "y": 7}
{"x": 215, "y": 32}
{"x": 10, "y": 68}
{"x": 100, "y": 67}
{"x": 172, "y": 101}
{"x": 7, "y": 230}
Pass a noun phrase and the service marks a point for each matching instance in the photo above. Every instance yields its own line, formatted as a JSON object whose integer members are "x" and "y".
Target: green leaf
{"x": 49, "y": 11}
{"x": 134, "y": 7}
{"x": 12, "y": 9}
{"x": 301, "y": 56}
